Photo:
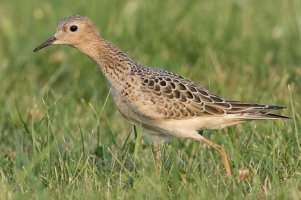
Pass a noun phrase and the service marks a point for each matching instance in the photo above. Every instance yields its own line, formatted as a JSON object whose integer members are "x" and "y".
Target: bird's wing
{"x": 175, "y": 97}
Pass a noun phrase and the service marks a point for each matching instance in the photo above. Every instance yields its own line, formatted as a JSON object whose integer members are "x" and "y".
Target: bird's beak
{"x": 45, "y": 44}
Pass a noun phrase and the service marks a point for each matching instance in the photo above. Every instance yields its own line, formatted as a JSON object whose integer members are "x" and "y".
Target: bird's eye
{"x": 73, "y": 28}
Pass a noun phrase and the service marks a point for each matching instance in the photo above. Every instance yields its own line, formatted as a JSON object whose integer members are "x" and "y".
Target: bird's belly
{"x": 126, "y": 110}
{"x": 134, "y": 106}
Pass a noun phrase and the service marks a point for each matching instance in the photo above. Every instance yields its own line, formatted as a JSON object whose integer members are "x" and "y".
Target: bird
{"x": 165, "y": 104}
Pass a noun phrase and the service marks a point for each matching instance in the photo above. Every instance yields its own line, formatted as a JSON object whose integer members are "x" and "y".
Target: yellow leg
{"x": 158, "y": 158}
{"x": 222, "y": 153}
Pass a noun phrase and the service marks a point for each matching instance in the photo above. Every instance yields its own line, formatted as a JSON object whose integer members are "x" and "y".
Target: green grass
{"x": 62, "y": 138}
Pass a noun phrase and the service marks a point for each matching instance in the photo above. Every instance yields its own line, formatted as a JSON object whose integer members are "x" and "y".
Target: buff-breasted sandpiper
{"x": 163, "y": 103}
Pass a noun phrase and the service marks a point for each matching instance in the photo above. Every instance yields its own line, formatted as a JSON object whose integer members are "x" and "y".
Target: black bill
{"x": 45, "y": 44}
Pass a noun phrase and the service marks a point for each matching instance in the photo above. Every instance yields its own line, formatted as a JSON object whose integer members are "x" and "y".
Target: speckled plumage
{"x": 163, "y": 103}
{"x": 179, "y": 98}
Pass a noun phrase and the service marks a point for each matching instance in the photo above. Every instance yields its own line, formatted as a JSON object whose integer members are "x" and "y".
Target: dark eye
{"x": 73, "y": 28}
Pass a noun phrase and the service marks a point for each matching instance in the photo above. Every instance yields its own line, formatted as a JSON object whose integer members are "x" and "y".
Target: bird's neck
{"x": 112, "y": 61}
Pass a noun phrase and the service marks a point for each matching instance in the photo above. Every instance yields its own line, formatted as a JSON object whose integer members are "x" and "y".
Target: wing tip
{"x": 273, "y": 107}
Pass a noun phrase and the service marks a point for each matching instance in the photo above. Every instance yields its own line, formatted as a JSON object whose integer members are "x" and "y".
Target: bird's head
{"x": 73, "y": 30}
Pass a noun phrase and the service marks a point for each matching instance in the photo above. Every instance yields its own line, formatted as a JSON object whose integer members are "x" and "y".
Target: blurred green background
{"x": 62, "y": 137}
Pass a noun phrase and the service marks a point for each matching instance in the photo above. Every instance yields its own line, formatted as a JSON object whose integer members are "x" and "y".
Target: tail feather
{"x": 258, "y": 116}
{"x": 274, "y": 116}
{"x": 247, "y": 111}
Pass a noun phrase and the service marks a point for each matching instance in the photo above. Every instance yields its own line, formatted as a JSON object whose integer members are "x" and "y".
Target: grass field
{"x": 62, "y": 137}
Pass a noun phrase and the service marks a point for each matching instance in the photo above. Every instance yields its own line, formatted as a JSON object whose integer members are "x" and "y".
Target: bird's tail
{"x": 247, "y": 111}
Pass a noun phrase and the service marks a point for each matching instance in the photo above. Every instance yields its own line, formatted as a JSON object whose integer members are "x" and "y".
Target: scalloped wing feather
{"x": 178, "y": 98}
